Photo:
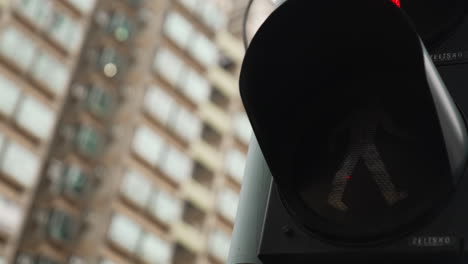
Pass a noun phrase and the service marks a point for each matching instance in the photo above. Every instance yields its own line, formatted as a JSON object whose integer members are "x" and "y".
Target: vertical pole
{"x": 252, "y": 206}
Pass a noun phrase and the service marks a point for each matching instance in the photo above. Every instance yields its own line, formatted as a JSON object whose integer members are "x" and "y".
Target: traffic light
{"x": 360, "y": 149}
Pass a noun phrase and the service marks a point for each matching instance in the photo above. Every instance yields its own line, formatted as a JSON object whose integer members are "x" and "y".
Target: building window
{"x": 203, "y": 175}
{"x": 191, "y": 5}
{"x": 219, "y": 99}
{"x": 148, "y": 145}
{"x": 13, "y": 40}
{"x": 62, "y": 226}
{"x": 75, "y": 183}
{"x": 36, "y": 11}
{"x": 183, "y": 255}
{"x": 242, "y": 127}
{"x": 193, "y": 216}
{"x": 169, "y": 66}
{"x": 227, "y": 203}
{"x": 165, "y": 207}
{"x": 35, "y": 118}
{"x": 178, "y": 29}
{"x": 110, "y": 62}
{"x": 218, "y": 245}
{"x": 159, "y": 104}
{"x": 10, "y": 94}
{"x": 100, "y": 102}
{"x": 65, "y": 30}
{"x": 177, "y": 165}
{"x": 85, "y": 6}
{"x": 124, "y": 232}
{"x": 11, "y": 216}
{"x": 211, "y": 136}
{"x": 154, "y": 250}
{"x": 89, "y": 142}
{"x": 120, "y": 26}
{"x": 234, "y": 164}
{"x": 213, "y": 16}
{"x": 20, "y": 164}
{"x": 186, "y": 125}
{"x": 136, "y": 188}
{"x": 203, "y": 50}
{"x": 196, "y": 88}
{"x": 50, "y": 72}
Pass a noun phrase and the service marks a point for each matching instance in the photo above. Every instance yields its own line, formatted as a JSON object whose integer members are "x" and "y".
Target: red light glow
{"x": 396, "y": 2}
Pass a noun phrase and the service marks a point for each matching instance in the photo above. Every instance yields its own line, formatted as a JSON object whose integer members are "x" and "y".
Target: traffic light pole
{"x": 252, "y": 206}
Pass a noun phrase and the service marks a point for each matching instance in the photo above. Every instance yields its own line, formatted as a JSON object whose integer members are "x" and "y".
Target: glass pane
{"x": 13, "y": 40}
{"x": 99, "y": 102}
{"x": 37, "y": 11}
{"x": 218, "y": 244}
{"x": 20, "y": 164}
{"x": 187, "y": 125}
{"x": 227, "y": 203}
{"x": 154, "y": 250}
{"x": 196, "y": 87}
{"x": 159, "y": 104}
{"x": 203, "y": 50}
{"x": 148, "y": 145}
{"x": 169, "y": 66}
{"x": 136, "y": 188}
{"x": 11, "y": 216}
{"x": 51, "y": 72}
{"x": 189, "y": 4}
{"x": 76, "y": 182}
{"x": 89, "y": 141}
{"x": 36, "y": 118}
{"x": 165, "y": 207}
{"x": 65, "y": 30}
{"x": 124, "y": 232}
{"x": 178, "y": 29}
{"x": 177, "y": 165}
{"x": 62, "y": 226}
{"x": 235, "y": 163}
{"x": 242, "y": 127}
{"x": 10, "y": 94}
{"x": 83, "y": 5}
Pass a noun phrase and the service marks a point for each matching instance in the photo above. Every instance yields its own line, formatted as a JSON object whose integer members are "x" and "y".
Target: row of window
{"x": 131, "y": 237}
{"x": 18, "y": 163}
{"x": 59, "y": 25}
{"x": 209, "y": 13}
{"x": 159, "y": 203}
{"x": 12, "y": 215}
{"x": 184, "y": 34}
{"x": 154, "y": 150}
{"x": 162, "y": 107}
{"x": 27, "y": 112}
{"x": 42, "y": 66}
{"x": 189, "y": 82}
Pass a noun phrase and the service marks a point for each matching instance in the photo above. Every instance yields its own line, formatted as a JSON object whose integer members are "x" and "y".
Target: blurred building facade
{"x": 122, "y": 134}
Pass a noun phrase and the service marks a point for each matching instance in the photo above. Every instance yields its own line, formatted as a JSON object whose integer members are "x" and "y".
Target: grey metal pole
{"x": 252, "y": 206}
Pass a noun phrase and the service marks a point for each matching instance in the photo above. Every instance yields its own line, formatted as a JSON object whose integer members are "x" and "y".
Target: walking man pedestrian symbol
{"x": 362, "y": 146}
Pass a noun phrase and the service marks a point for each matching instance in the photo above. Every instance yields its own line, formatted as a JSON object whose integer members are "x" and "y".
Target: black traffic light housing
{"x": 365, "y": 145}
